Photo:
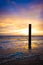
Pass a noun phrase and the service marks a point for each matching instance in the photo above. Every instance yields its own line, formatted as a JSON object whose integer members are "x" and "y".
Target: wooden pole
{"x": 29, "y": 41}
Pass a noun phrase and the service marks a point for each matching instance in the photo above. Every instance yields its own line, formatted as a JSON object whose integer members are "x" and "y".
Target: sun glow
{"x": 25, "y": 32}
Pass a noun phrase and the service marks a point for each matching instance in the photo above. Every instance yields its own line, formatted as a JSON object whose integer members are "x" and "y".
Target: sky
{"x": 16, "y": 15}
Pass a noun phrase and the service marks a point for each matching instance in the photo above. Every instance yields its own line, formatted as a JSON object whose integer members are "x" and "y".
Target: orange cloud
{"x": 18, "y": 24}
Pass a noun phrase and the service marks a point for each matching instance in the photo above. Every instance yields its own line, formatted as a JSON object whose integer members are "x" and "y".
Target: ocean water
{"x": 16, "y": 47}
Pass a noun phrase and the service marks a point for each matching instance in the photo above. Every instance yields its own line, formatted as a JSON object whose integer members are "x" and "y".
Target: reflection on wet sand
{"x": 17, "y": 48}
{"x": 15, "y": 44}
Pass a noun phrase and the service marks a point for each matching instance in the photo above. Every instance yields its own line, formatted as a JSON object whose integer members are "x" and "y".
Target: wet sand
{"x": 31, "y": 58}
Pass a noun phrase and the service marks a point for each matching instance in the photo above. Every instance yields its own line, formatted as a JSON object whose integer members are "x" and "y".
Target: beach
{"x": 14, "y": 50}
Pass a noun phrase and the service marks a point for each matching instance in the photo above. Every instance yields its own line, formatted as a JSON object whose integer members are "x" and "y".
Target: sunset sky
{"x": 16, "y": 15}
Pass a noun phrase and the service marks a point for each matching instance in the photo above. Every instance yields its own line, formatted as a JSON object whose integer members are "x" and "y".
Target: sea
{"x": 17, "y": 47}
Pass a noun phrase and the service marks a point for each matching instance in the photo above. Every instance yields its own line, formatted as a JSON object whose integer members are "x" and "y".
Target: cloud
{"x": 19, "y": 20}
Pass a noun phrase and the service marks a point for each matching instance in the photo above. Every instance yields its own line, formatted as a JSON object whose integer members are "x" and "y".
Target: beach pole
{"x": 29, "y": 37}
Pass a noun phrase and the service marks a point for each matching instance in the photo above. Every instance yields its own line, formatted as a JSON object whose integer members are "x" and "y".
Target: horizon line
{"x": 21, "y": 35}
